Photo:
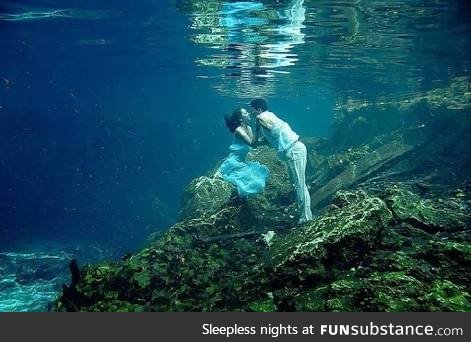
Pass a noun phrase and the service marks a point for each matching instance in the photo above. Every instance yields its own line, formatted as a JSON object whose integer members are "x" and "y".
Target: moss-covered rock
{"x": 446, "y": 296}
{"x": 205, "y": 196}
{"x": 408, "y": 206}
{"x": 342, "y": 234}
{"x": 393, "y": 291}
{"x": 263, "y": 305}
{"x": 359, "y": 121}
{"x": 352, "y": 167}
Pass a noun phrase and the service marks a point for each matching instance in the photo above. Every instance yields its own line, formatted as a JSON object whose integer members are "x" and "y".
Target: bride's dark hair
{"x": 234, "y": 121}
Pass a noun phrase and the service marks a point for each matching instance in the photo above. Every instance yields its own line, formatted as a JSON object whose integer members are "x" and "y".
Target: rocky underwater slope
{"x": 391, "y": 233}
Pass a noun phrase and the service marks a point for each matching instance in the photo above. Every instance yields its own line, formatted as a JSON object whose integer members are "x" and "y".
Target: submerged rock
{"x": 391, "y": 234}
{"x": 429, "y": 214}
{"x": 337, "y": 236}
{"x": 362, "y": 254}
{"x": 205, "y": 195}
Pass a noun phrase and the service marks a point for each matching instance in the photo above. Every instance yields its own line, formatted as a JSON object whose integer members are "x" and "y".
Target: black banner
{"x": 235, "y": 326}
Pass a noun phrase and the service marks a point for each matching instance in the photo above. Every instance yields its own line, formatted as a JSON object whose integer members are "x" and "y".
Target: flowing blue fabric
{"x": 248, "y": 176}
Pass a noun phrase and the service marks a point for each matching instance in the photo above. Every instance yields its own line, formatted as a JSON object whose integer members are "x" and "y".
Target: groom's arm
{"x": 258, "y": 138}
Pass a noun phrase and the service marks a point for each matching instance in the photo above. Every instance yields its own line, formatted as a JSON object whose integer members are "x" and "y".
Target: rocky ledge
{"x": 391, "y": 233}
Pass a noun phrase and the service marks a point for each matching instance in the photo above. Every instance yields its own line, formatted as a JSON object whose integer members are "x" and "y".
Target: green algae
{"x": 265, "y": 305}
{"x": 354, "y": 257}
{"x": 409, "y": 206}
{"x": 205, "y": 195}
{"x": 142, "y": 278}
{"x": 380, "y": 244}
{"x": 357, "y": 224}
{"x": 446, "y": 296}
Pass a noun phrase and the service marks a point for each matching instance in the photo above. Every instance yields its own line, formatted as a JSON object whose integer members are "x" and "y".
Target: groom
{"x": 281, "y": 137}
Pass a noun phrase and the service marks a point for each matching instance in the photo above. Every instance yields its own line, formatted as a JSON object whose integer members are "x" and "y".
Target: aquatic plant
{"x": 391, "y": 234}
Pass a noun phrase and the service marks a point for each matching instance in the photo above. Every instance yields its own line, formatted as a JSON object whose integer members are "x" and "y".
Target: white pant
{"x": 296, "y": 159}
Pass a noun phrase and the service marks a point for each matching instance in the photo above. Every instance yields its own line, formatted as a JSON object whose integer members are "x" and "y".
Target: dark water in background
{"x": 110, "y": 108}
{"x": 103, "y": 121}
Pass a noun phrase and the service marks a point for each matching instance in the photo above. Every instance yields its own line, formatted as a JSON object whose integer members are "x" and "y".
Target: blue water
{"x": 110, "y": 108}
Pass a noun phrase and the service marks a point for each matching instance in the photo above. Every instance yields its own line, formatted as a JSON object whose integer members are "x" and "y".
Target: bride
{"x": 248, "y": 176}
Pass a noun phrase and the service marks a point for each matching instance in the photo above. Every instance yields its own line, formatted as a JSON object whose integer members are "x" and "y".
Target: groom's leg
{"x": 291, "y": 171}
{"x": 302, "y": 192}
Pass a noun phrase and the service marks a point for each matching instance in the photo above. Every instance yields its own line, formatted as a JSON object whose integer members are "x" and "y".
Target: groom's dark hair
{"x": 259, "y": 104}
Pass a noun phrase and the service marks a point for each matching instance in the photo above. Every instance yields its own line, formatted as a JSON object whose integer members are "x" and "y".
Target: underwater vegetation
{"x": 391, "y": 231}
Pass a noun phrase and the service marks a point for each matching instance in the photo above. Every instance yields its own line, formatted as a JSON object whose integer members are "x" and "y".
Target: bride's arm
{"x": 246, "y": 136}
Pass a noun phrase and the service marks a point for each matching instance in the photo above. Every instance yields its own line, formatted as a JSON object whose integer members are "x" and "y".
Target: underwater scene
{"x": 257, "y": 155}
